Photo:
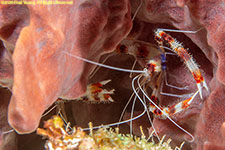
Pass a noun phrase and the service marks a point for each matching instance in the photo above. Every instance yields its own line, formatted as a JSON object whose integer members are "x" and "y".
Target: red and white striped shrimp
{"x": 156, "y": 77}
{"x": 95, "y": 93}
{"x": 156, "y": 73}
{"x": 153, "y": 64}
{"x": 161, "y": 36}
{"x": 152, "y": 72}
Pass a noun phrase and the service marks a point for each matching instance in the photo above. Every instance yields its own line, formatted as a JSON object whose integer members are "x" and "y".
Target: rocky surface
{"x": 42, "y": 72}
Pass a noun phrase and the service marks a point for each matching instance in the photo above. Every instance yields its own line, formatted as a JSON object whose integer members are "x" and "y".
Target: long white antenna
{"x": 103, "y": 65}
{"x": 98, "y": 67}
{"x": 6, "y": 132}
{"x": 49, "y": 110}
{"x": 132, "y": 112}
{"x": 182, "y": 31}
{"x": 122, "y": 114}
{"x": 141, "y": 2}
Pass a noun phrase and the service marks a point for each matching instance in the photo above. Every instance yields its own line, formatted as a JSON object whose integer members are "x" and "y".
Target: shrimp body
{"x": 142, "y": 51}
{"x": 154, "y": 67}
{"x": 154, "y": 61}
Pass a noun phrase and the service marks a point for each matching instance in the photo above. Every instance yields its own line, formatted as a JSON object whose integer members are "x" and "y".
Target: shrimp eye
{"x": 151, "y": 67}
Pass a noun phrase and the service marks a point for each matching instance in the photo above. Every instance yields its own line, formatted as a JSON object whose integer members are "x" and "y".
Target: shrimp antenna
{"x": 103, "y": 65}
{"x": 132, "y": 111}
{"x": 192, "y": 137}
{"x": 64, "y": 120}
{"x": 133, "y": 67}
{"x": 137, "y": 10}
{"x": 98, "y": 67}
{"x": 6, "y": 132}
{"x": 124, "y": 109}
{"x": 122, "y": 114}
{"x": 182, "y": 31}
{"x": 49, "y": 110}
{"x": 149, "y": 118}
{"x": 150, "y": 44}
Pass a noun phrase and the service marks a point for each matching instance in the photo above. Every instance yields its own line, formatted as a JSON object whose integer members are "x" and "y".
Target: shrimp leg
{"x": 161, "y": 36}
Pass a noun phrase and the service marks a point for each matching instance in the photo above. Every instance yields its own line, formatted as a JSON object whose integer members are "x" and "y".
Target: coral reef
{"x": 59, "y": 138}
{"x": 34, "y": 67}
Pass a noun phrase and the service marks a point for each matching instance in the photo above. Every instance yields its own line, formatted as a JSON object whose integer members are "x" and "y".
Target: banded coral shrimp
{"x": 179, "y": 105}
{"x": 174, "y": 108}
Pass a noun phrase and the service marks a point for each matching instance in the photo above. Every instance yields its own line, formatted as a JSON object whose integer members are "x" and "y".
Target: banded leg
{"x": 171, "y": 110}
{"x": 161, "y": 36}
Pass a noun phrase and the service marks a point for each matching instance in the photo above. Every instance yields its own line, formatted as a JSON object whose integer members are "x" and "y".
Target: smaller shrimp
{"x": 96, "y": 94}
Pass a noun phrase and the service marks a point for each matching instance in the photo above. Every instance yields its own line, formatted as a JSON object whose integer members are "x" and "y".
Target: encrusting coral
{"x": 59, "y": 138}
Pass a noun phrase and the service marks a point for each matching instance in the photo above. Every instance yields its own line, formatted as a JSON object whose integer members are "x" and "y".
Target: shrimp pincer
{"x": 176, "y": 47}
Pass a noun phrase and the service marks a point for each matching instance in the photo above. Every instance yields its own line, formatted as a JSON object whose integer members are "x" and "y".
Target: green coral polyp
{"x": 101, "y": 139}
